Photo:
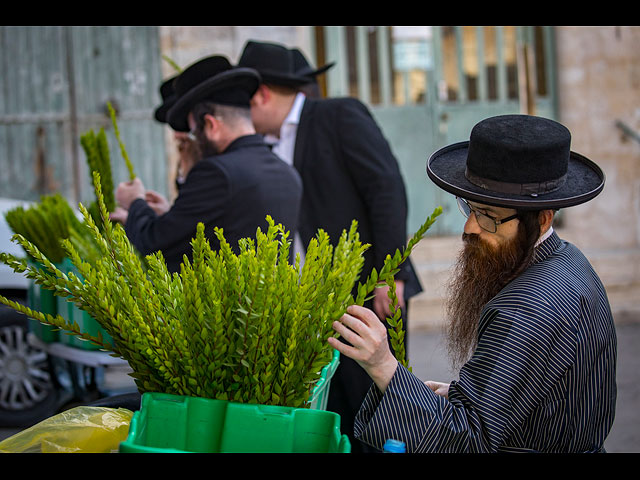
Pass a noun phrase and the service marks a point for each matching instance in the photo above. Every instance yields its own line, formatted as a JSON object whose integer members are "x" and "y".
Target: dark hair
{"x": 529, "y": 233}
{"x": 229, "y": 114}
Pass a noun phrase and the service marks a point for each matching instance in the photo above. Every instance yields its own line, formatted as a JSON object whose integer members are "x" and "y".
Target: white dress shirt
{"x": 284, "y": 147}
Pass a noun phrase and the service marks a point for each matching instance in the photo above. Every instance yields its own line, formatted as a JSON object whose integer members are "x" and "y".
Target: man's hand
{"x": 127, "y": 192}
{"x": 369, "y": 345}
{"x": 157, "y": 202}
{"x": 188, "y": 153}
{"x": 382, "y": 302}
{"x": 119, "y": 215}
{"x": 438, "y": 388}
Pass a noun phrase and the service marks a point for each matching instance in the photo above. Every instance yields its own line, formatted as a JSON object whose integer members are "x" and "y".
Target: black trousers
{"x": 349, "y": 385}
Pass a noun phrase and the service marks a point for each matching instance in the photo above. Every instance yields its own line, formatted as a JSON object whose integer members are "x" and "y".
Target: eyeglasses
{"x": 485, "y": 222}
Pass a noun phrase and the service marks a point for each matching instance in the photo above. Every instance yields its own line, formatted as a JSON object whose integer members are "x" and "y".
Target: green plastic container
{"x": 179, "y": 424}
{"x": 42, "y": 300}
{"x": 320, "y": 394}
{"x": 85, "y": 321}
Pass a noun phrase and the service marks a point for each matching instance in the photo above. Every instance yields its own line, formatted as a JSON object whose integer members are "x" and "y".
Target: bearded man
{"x": 530, "y": 321}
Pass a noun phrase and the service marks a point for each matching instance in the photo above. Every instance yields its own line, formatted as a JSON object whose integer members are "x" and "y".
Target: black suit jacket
{"x": 235, "y": 191}
{"x": 349, "y": 172}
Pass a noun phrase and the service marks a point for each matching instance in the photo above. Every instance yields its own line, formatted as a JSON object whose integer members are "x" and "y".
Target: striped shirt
{"x": 542, "y": 378}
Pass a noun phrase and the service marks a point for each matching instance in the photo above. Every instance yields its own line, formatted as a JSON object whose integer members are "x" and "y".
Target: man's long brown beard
{"x": 480, "y": 272}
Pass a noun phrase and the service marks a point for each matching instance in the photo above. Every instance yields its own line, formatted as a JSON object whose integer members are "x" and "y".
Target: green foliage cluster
{"x": 248, "y": 327}
{"x": 46, "y": 224}
{"x": 96, "y": 149}
{"x": 241, "y": 327}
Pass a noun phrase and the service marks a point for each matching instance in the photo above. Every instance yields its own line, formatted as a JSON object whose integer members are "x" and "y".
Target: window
{"x": 407, "y": 65}
{"x": 412, "y": 60}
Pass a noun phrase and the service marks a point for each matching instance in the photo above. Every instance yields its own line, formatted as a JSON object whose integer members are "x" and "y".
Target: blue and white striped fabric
{"x": 542, "y": 378}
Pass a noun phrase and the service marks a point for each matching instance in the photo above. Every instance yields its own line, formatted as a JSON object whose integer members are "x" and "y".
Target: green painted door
{"x": 427, "y": 87}
{"x": 55, "y": 84}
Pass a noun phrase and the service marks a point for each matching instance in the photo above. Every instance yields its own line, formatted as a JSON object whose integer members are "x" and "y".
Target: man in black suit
{"x": 236, "y": 184}
{"x": 348, "y": 172}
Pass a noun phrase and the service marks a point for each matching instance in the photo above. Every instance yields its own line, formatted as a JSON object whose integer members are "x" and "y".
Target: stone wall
{"x": 185, "y": 45}
{"x": 598, "y": 87}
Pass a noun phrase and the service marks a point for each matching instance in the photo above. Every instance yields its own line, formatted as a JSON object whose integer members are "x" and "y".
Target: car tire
{"x": 27, "y": 391}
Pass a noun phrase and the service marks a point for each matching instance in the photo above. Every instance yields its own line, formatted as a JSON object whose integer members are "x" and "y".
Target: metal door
{"x": 55, "y": 84}
{"x": 427, "y": 86}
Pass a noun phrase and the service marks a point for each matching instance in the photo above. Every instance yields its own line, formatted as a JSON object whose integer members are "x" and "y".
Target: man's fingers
{"x": 342, "y": 347}
{"x": 363, "y": 314}
{"x": 349, "y": 327}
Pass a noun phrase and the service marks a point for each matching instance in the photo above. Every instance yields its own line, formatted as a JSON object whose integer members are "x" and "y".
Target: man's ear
{"x": 210, "y": 125}
{"x": 262, "y": 95}
{"x": 546, "y": 219}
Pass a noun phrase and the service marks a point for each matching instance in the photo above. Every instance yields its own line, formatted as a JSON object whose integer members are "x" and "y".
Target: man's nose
{"x": 471, "y": 225}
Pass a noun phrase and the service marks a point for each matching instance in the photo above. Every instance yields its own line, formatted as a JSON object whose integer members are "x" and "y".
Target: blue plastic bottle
{"x": 394, "y": 446}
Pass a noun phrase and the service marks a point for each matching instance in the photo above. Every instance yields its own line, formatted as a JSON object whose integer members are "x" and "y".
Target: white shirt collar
{"x": 544, "y": 236}
{"x": 284, "y": 146}
{"x": 296, "y": 110}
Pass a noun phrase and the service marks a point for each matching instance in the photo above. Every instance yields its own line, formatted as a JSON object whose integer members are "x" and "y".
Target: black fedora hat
{"x": 517, "y": 161}
{"x": 211, "y": 79}
{"x": 278, "y": 64}
{"x": 302, "y": 66}
{"x": 168, "y": 96}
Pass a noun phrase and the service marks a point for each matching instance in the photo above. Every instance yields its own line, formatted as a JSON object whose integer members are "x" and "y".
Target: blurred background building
{"x": 426, "y": 85}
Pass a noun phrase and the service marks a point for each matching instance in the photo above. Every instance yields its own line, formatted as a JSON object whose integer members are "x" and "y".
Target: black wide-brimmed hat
{"x": 302, "y": 66}
{"x": 168, "y": 96}
{"x": 211, "y": 79}
{"x": 517, "y": 161}
{"x": 278, "y": 64}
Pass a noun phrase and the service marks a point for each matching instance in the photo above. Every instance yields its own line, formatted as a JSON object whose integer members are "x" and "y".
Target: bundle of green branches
{"x": 96, "y": 149}
{"x": 45, "y": 224}
{"x": 123, "y": 150}
{"x": 249, "y": 328}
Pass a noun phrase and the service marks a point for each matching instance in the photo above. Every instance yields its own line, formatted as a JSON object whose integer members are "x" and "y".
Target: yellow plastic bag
{"x": 77, "y": 430}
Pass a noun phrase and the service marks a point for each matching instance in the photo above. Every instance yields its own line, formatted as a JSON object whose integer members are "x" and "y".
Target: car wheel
{"x": 27, "y": 391}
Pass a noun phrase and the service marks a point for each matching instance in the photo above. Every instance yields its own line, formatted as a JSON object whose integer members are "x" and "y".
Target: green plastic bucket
{"x": 85, "y": 321}
{"x": 179, "y": 424}
{"x": 44, "y": 301}
{"x": 320, "y": 394}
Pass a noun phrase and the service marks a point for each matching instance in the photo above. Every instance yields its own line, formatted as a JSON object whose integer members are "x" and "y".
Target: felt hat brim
{"x": 286, "y": 80}
{"x": 310, "y": 72}
{"x": 446, "y": 168}
{"x": 245, "y": 79}
{"x": 160, "y": 113}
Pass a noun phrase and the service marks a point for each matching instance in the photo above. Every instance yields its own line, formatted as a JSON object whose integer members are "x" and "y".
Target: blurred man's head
{"x": 213, "y": 103}
{"x": 215, "y": 126}
{"x": 284, "y": 72}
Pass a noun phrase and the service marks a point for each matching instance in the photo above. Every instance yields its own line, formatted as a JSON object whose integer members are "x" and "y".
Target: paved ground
{"x": 428, "y": 360}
